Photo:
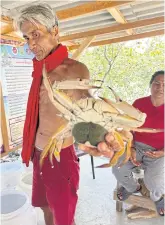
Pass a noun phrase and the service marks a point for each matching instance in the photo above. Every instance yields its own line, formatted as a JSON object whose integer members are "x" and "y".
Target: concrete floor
{"x": 96, "y": 205}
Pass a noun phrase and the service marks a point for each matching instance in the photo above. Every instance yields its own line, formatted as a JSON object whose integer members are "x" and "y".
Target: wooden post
{"x": 119, "y": 204}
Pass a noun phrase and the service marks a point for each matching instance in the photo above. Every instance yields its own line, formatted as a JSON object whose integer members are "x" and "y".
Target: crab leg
{"x": 125, "y": 108}
{"x": 127, "y": 136}
{"x": 67, "y": 102}
{"x": 51, "y": 151}
{"x": 55, "y": 150}
{"x": 75, "y": 84}
{"x": 128, "y": 153}
{"x": 55, "y": 144}
{"x": 59, "y": 106}
{"x": 147, "y": 130}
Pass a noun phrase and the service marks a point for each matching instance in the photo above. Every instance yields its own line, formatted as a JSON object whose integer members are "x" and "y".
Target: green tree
{"x": 126, "y": 67}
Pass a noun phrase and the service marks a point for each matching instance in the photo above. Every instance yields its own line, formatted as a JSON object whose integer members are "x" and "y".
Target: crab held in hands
{"x": 89, "y": 120}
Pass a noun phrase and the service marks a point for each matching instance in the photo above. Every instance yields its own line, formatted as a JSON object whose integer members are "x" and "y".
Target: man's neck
{"x": 157, "y": 102}
{"x": 54, "y": 49}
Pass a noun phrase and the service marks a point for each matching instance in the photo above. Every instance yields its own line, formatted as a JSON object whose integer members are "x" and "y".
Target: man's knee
{"x": 119, "y": 171}
{"x": 48, "y": 216}
{"x": 154, "y": 182}
{"x": 115, "y": 170}
{"x": 46, "y": 210}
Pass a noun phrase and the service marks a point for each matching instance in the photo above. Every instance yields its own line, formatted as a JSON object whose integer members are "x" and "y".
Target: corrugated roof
{"x": 132, "y": 11}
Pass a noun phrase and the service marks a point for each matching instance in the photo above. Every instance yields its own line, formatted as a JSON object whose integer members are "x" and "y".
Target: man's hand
{"x": 105, "y": 148}
{"x": 133, "y": 157}
{"x": 155, "y": 154}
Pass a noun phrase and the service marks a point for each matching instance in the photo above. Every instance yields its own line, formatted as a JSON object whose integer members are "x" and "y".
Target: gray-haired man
{"x": 55, "y": 189}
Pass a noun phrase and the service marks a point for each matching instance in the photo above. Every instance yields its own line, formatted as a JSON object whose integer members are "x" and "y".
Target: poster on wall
{"x": 16, "y": 80}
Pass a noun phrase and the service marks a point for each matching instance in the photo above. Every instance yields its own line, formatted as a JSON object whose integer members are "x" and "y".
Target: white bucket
{"x": 10, "y": 174}
{"x": 16, "y": 209}
{"x": 29, "y": 168}
{"x": 25, "y": 183}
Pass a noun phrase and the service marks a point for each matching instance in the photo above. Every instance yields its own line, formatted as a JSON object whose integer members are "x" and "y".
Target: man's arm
{"x": 155, "y": 154}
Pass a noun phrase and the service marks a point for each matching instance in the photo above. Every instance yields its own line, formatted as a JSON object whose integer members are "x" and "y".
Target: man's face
{"x": 40, "y": 41}
{"x": 157, "y": 87}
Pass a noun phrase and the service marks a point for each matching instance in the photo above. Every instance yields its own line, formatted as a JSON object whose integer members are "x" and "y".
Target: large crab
{"x": 90, "y": 119}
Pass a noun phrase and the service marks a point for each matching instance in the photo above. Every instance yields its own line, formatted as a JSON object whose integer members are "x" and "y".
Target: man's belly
{"x": 49, "y": 122}
{"x": 46, "y": 130}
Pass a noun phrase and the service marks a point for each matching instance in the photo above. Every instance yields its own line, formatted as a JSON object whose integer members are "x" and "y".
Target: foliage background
{"x": 126, "y": 67}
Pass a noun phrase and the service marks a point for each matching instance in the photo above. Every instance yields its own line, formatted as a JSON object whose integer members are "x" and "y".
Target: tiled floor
{"x": 96, "y": 205}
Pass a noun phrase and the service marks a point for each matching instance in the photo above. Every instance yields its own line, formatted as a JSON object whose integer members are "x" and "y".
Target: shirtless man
{"x": 54, "y": 189}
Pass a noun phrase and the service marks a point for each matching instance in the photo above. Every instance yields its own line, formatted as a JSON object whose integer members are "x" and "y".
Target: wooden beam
{"x": 80, "y": 10}
{"x": 123, "y": 39}
{"x": 12, "y": 38}
{"x": 111, "y": 29}
{"x": 119, "y": 17}
{"x": 6, "y": 19}
{"x": 15, "y": 34}
{"x": 128, "y": 38}
{"x": 7, "y": 29}
{"x": 88, "y": 8}
{"x": 15, "y": 37}
{"x": 82, "y": 47}
{"x": 68, "y": 43}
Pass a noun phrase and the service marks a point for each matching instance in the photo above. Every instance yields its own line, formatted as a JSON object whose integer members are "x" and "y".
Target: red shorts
{"x": 57, "y": 187}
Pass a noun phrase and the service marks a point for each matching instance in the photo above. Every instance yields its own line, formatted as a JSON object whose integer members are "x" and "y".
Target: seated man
{"x": 148, "y": 149}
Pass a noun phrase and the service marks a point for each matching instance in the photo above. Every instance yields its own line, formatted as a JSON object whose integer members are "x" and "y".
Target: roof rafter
{"x": 119, "y": 17}
{"x": 88, "y": 8}
{"x": 123, "y": 39}
{"x": 111, "y": 29}
{"x": 82, "y": 47}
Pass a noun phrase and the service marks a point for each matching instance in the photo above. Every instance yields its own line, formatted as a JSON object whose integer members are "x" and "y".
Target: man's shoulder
{"x": 77, "y": 67}
{"x": 74, "y": 63}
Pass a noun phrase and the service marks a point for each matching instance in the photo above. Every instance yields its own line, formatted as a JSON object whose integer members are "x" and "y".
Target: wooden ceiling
{"x": 118, "y": 24}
